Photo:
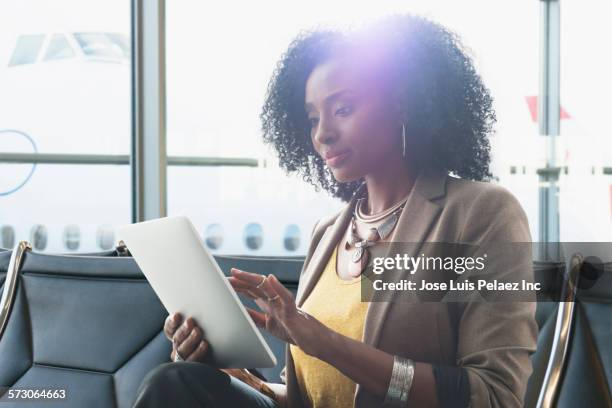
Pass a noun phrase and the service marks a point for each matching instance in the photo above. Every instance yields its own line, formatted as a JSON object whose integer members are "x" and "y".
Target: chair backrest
{"x": 89, "y": 325}
{"x": 586, "y": 378}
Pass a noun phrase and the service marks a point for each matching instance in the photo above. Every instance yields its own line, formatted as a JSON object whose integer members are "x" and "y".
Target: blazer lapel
{"x": 324, "y": 249}
{"x": 413, "y": 226}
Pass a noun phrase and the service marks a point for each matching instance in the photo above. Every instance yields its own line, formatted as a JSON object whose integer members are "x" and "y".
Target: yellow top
{"x": 337, "y": 304}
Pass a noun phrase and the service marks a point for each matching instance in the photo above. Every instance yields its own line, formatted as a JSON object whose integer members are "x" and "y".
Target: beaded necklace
{"x": 361, "y": 254}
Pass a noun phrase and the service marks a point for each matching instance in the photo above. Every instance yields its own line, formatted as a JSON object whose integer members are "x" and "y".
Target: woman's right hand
{"x": 187, "y": 338}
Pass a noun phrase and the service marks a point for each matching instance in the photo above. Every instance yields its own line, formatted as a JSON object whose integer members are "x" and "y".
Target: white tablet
{"x": 187, "y": 279}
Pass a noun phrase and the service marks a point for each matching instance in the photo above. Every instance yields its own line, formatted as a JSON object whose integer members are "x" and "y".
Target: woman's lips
{"x": 337, "y": 160}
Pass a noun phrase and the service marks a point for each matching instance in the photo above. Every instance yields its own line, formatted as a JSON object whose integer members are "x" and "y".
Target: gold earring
{"x": 403, "y": 140}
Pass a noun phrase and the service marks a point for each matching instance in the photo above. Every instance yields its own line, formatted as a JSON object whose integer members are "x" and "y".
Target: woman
{"x": 379, "y": 118}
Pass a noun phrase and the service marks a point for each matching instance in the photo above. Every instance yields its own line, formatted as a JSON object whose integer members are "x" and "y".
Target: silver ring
{"x": 262, "y": 282}
{"x": 177, "y": 357}
{"x": 273, "y": 298}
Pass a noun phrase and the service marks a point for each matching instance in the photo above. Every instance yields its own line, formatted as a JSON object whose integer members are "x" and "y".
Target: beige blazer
{"x": 492, "y": 341}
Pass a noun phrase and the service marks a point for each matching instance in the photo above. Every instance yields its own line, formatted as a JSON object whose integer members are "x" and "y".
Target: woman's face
{"x": 353, "y": 125}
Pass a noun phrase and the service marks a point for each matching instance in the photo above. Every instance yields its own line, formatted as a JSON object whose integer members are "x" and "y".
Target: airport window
{"x": 291, "y": 239}
{"x": 59, "y": 48}
{"x": 214, "y": 236}
{"x": 253, "y": 236}
{"x": 213, "y": 114}
{"x": 72, "y": 237}
{"x": 38, "y": 237}
{"x": 7, "y": 233}
{"x": 71, "y": 119}
{"x": 584, "y": 142}
{"x": 26, "y": 50}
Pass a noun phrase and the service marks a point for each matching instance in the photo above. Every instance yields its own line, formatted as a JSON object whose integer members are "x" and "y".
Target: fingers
{"x": 172, "y": 322}
{"x": 188, "y": 341}
{"x": 275, "y": 292}
{"x": 191, "y": 343}
{"x": 248, "y": 283}
{"x": 280, "y": 302}
{"x": 253, "y": 279}
{"x": 199, "y": 353}
{"x": 183, "y": 331}
{"x": 266, "y": 287}
{"x": 263, "y": 304}
{"x": 284, "y": 293}
{"x": 244, "y": 288}
{"x": 258, "y": 317}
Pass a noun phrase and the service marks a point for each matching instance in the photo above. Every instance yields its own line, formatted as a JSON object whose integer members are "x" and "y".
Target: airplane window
{"x": 214, "y": 236}
{"x": 105, "y": 237}
{"x": 38, "y": 237}
{"x": 292, "y": 237}
{"x": 8, "y": 236}
{"x": 59, "y": 48}
{"x": 26, "y": 50}
{"x": 72, "y": 237}
{"x": 103, "y": 45}
{"x": 253, "y": 236}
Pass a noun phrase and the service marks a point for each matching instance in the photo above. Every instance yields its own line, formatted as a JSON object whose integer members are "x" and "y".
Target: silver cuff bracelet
{"x": 400, "y": 383}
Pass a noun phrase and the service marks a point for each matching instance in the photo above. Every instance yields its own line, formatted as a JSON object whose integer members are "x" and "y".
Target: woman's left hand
{"x": 280, "y": 316}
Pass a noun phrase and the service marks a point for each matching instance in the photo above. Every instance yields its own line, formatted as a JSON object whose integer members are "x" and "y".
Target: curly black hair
{"x": 440, "y": 97}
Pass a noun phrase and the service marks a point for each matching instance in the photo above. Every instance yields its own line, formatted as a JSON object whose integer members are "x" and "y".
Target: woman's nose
{"x": 325, "y": 133}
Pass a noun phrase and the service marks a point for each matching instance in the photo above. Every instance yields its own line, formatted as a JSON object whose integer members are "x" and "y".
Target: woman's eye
{"x": 345, "y": 110}
{"x": 313, "y": 121}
